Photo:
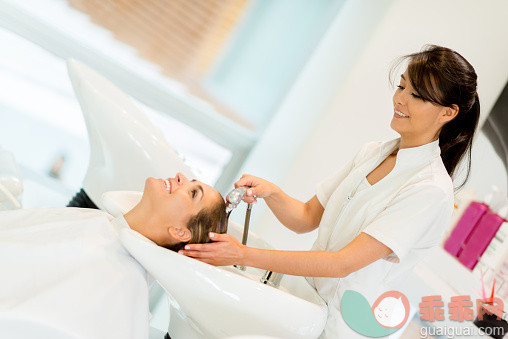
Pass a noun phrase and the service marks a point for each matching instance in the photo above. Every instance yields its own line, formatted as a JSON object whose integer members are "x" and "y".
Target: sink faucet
{"x": 232, "y": 200}
{"x": 272, "y": 278}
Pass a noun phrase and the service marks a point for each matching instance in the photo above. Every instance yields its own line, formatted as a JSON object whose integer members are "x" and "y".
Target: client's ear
{"x": 180, "y": 233}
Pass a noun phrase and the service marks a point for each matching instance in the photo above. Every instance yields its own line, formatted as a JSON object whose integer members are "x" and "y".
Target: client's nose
{"x": 181, "y": 179}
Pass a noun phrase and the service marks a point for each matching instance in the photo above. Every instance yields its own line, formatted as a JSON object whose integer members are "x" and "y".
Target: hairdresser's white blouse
{"x": 408, "y": 211}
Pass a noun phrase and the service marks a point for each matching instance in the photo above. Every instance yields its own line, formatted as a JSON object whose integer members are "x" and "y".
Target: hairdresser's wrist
{"x": 275, "y": 194}
{"x": 258, "y": 258}
{"x": 247, "y": 255}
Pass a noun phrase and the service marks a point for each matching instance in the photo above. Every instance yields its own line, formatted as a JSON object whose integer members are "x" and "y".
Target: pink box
{"x": 480, "y": 239}
{"x": 464, "y": 228}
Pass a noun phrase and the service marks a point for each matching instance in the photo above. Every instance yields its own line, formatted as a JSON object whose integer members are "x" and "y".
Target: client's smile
{"x": 168, "y": 185}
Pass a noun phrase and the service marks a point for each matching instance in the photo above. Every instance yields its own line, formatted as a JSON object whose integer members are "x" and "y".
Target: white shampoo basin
{"x": 217, "y": 302}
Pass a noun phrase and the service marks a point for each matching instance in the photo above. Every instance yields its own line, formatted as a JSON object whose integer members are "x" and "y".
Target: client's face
{"x": 173, "y": 201}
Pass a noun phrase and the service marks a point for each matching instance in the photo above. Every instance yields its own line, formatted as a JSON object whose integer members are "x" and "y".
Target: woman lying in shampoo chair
{"x": 64, "y": 269}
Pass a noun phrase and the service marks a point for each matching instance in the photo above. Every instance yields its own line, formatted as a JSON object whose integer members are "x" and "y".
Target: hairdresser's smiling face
{"x": 178, "y": 202}
{"x": 423, "y": 120}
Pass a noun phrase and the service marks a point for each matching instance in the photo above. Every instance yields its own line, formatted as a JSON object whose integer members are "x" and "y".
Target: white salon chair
{"x": 125, "y": 147}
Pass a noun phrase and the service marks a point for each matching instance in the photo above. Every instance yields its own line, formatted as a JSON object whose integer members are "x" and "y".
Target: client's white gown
{"x": 64, "y": 268}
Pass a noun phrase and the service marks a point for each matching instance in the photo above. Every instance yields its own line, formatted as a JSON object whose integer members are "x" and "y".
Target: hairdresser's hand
{"x": 257, "y": 188}
{"x": 224, "y": 251}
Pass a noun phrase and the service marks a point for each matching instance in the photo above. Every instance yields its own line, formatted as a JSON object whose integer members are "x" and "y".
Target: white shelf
{"x": 445, "y": 273}
{"x": 440, "y": 273}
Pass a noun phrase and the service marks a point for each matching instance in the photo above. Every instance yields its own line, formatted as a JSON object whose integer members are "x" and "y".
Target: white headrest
{"x": 118, "y": 203}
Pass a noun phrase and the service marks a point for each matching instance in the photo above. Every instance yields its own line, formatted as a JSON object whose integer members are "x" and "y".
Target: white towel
{"x": 63, "y": 271}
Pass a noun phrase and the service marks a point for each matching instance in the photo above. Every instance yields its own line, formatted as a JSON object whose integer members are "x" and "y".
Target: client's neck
{"x": 150, "y": 224}
{"x": 141, "y": 220}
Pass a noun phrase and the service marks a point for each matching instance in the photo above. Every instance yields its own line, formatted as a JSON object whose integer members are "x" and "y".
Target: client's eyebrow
{"x": 402, "y": 76}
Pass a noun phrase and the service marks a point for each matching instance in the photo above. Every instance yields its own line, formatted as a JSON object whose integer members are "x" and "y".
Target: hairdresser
{"x": 380, "y": 213}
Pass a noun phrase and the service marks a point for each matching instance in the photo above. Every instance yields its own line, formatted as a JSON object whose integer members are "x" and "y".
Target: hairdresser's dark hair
{"x": 211, "y": 219}
{"x": 444, "y": 77}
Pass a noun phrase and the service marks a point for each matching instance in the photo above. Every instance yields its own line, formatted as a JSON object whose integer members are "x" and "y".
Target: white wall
{"x": 361, "y": 109}
{"x": 311, "y": 95}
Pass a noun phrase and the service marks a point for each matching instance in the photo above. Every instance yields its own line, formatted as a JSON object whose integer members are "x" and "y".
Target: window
{"x": 44, "y": 128}
{"x": 265, "y": 54}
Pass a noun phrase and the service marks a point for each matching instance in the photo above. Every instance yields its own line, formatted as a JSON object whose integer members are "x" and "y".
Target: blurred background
{"x": 287, "y": 90}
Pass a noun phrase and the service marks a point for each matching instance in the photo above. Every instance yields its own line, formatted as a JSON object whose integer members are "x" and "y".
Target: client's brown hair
{"x": 212, "y": 219}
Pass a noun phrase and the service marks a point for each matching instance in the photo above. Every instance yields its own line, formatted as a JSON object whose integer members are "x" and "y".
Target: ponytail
{"x": 456, "y": 139}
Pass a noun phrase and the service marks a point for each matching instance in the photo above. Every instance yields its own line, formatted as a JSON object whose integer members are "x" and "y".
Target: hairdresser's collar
{"x": 412, "y": 156}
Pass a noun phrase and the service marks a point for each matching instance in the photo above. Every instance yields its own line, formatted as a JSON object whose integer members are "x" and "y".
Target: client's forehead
{"x": 214, "y": 193}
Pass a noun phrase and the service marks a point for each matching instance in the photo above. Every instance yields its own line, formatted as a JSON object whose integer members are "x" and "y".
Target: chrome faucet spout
{"x": 272, "y": 278}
